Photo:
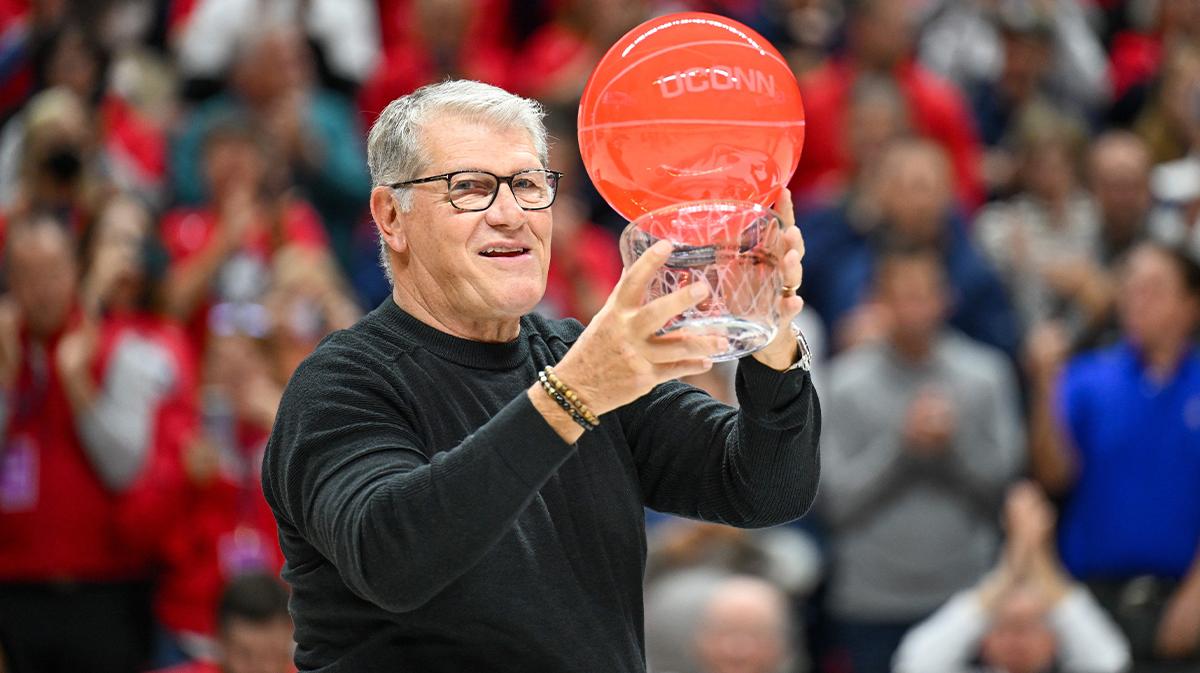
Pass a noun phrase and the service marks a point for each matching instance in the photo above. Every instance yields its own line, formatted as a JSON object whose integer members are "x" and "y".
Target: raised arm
{"x": 1053, "y": 460}
{"x": 754, "y": 467}
{"x": 750, "y": 467}
{"x": 946, "y": 641}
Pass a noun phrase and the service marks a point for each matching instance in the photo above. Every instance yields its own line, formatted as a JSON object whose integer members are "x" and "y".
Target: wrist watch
{"x": 804, "y": 354}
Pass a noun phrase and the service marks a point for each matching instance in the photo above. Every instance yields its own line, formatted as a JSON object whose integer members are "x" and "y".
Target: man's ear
{"x": 388, "y": 219}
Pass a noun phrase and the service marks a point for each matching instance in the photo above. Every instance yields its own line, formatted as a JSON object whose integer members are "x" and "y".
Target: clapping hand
{"x": 930, "y": 423}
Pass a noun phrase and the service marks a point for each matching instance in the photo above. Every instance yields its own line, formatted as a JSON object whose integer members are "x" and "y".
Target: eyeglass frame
{"x": 500, "y": 180}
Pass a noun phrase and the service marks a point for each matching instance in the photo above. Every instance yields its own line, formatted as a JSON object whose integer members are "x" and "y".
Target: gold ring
{"x": 790, "y": 290}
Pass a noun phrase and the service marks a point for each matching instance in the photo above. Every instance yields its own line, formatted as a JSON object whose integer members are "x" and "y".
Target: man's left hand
{"x": 782, "y": 352}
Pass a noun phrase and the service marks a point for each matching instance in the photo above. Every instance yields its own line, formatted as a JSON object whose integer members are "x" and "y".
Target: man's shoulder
{"x": 340, "y": 348}
{"x": 353, "y": 356}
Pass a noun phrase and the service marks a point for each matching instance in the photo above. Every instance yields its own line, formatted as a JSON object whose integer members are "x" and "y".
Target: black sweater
{"x": 433, "y": 521}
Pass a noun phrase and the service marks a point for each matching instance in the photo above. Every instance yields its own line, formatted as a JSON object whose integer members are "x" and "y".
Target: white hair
{"x": 395, "y": 147}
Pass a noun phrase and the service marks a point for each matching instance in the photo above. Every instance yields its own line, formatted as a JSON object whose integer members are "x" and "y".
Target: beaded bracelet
{"x": 566, "y": 392}
{"x": 566, "y": 405}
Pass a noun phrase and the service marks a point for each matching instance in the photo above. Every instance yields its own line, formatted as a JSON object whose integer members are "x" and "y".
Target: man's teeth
{"x": 502, "y": 250}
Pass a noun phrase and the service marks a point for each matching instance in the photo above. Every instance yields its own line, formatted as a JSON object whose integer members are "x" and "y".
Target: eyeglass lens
{"x": 474, "y": 191}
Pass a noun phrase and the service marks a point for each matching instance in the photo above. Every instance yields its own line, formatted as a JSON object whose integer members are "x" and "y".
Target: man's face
{"x": 874, "y": 122}
{"x": 251, "y": 647}
{"x": 1027, "y": 58}
{"x": 485, "y": 265}
{"x": 1050, "y": 171}
{"x": 1120, "y": 182}
{"x": 231, "y": 163}
{"x": 913, "y": 291}
{"x": 914, "y": 195}
{"x": 278, "y": 63}
{"x": 883, "y": 34}
{"x": 742, "y": 634}
{"x": 1020, "y": 641}
{"x": 42, "y": 274}
{"x": 1154, "y": 302}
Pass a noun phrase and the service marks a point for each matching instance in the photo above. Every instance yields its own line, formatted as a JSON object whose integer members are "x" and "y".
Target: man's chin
{"x": 515, "y": 300}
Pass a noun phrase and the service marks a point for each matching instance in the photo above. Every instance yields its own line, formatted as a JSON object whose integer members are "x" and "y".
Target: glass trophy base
{"x": 732, "y": 247}
{"x": 744, "y": 336}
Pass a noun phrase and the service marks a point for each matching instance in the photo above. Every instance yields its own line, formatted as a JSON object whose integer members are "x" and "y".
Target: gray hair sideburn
{"x": 395, "y": 147}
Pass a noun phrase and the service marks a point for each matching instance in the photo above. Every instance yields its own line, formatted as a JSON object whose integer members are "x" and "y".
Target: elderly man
{"x": 440, "y": 507}
{"x": 745, "y": 627}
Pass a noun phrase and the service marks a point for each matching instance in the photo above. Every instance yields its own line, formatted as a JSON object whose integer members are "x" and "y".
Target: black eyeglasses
{"x": 534, "y": 189}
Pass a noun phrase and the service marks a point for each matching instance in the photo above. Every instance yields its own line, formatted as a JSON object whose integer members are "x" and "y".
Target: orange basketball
{"x": 690, "y": 107}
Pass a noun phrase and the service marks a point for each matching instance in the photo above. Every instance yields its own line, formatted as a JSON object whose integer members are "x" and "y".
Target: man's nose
{"x": 505, "y": 211}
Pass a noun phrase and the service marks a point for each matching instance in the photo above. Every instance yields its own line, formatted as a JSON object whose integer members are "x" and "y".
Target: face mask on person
{"x": 63, "y": 163}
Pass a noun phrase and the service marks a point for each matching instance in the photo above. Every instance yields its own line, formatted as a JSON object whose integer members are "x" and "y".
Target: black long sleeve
{"x": 431, "y": 517}
{"x": 398, "y": 524}
{"x": 753, "y": 467}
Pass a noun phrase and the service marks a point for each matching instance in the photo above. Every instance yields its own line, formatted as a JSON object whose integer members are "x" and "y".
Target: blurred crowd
{"x": 1001, "y": 204}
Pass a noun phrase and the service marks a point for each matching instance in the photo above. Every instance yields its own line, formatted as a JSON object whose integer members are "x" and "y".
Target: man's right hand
{"x": 620, "y": 356}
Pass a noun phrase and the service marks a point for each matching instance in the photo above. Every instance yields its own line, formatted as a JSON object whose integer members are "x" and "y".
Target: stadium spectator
{"x": 94, "y": 387}
{"x": 254, "y": 627}
{"x": 1027, "y": 50}
{"x": 127, "y": 145}
{"x": 745, "y": 627}
{"x": 425, "y": 41}
{"x": 222, "y": 251}
{"x": 1023, "y": 87}
{"x": 923, "y": 436}
{"x": 1026, "y": 616}
{"x": 1136, "y": 54}
{"x": 209, "y": 34}
{"x": 211, "y": 487}
{"x": 1118, "y": 174}
{"x": 314, "y": 132}
{"x": 26, "y": 27}
{"x": 695, "y": 569}
{"x": 908, "y": 202}
{"x": 307, "y": 300}
{"x": 1168, "y": 122}
{"x": 557, "y": 59}
{"x": 1119, "y": 182}
{"x": 1115, "y": 433}
{"x": 880, "y": 36}
{"x": 57, "y": 167}
{"x": 807, "y": 29}
{"x": 964, "y": 41}
{"x": 1044, "y": 239}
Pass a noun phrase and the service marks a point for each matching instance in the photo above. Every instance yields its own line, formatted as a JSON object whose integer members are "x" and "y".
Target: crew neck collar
{"x": 466, "y": 352}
